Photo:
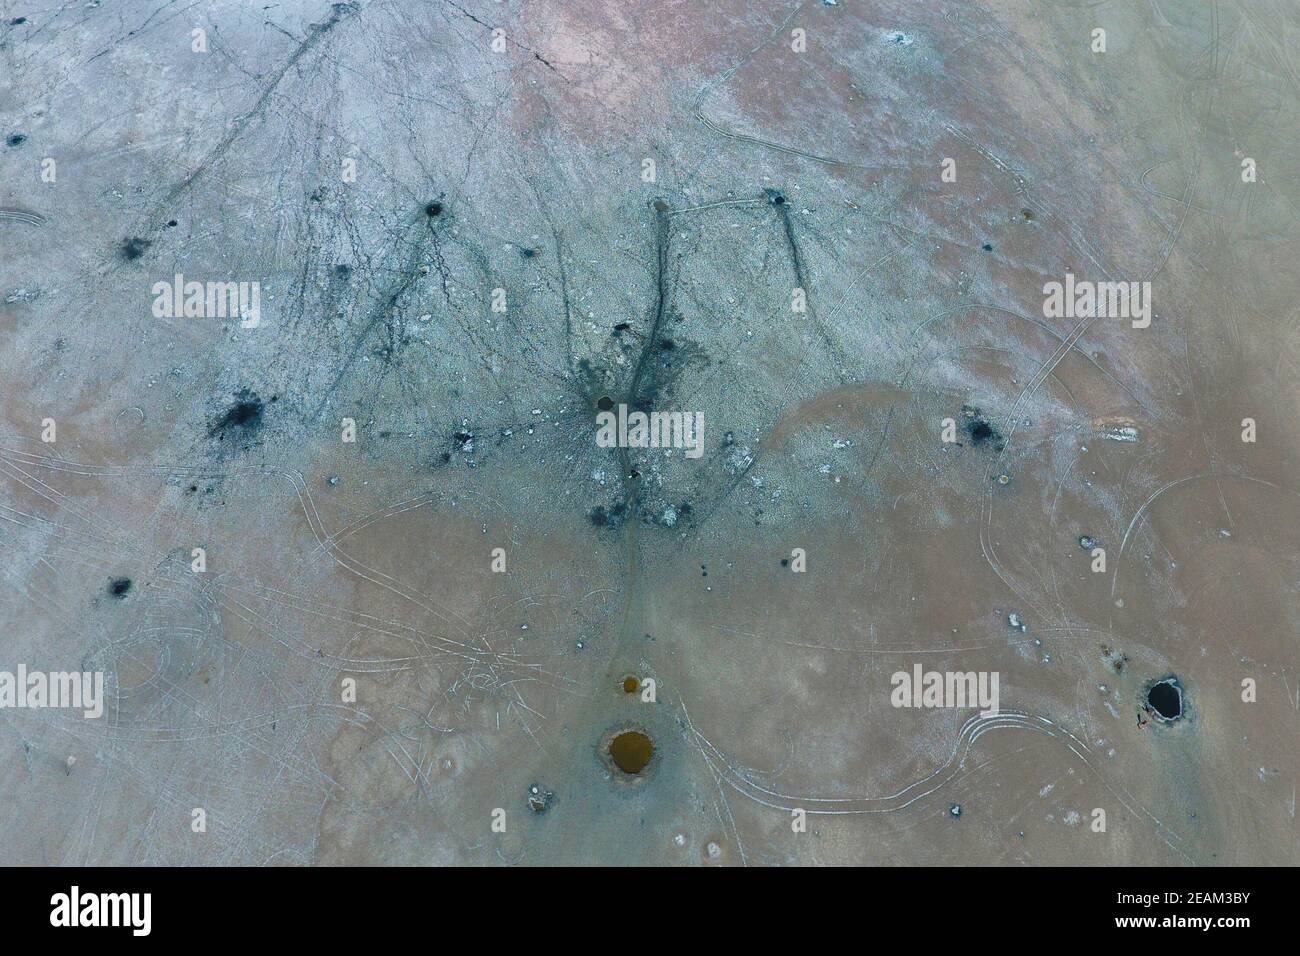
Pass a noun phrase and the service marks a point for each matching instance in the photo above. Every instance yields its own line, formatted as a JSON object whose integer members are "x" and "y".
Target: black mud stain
{"x": 133, "y": 248}
{"x": 612, "y": 517}
{"x": 16, "y": 139}
{"x": 119, "y": 588}
{"x": 242, "y": 420}
{"x": 631, "y": 751}
{"x": 987, "y": 247}
{"x": 527, "y": 253}
{"x": 980, "y": 429}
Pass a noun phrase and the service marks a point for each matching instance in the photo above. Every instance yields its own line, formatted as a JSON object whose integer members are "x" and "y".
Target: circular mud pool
{"x": 628, "y": 753}
{"x": 631, "y": 751}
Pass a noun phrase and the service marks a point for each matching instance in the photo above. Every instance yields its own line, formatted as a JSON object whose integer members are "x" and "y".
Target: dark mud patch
{"x": 980, "y": 430}
{"x": 133, "y": 248}
{"x": 242, "y": 420}
{"x": 119, "y": 588}
{"x": 612, "y": 517}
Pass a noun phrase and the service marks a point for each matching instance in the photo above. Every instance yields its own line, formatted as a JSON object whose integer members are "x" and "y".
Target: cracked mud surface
{"x": 521, "y": 170}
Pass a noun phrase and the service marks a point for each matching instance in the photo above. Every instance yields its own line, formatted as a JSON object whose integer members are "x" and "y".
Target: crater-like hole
{"x": 1166, "y": 699}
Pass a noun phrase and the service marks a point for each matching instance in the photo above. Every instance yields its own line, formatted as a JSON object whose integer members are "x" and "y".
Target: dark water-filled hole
{"x": 1166, "y": 699}
{"x": 604, "y": 403}
{"x": 119, "y": 587}
{"x": 631, "y": 751}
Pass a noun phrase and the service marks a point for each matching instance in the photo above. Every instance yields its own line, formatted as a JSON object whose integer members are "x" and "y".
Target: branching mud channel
{"x": 578, "y": 432}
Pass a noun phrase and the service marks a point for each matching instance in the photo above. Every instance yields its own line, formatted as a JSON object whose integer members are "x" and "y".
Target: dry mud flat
{"x": 349, "y": 679}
